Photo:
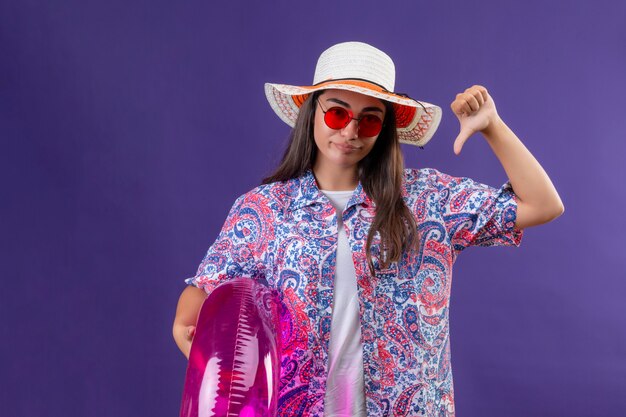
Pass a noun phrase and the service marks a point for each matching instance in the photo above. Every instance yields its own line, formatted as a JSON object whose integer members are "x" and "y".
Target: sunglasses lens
{"x": 370, "y": 126}
{"x": 337, "y": 118}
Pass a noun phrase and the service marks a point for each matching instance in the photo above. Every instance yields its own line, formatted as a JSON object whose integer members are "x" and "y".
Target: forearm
{"x": 187, "y": 310}
{"x": 538, "y": 199}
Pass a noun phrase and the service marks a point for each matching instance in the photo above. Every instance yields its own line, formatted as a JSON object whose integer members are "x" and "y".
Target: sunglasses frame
{"x": 351, "y": 117}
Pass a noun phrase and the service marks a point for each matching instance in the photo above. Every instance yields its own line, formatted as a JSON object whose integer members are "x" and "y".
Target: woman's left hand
{"x": 476, "y": 112}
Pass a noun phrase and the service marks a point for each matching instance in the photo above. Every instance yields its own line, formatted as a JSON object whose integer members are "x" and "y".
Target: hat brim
{"x": 416, "y": 121}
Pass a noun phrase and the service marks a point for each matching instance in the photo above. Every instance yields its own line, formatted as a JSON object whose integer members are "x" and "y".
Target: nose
{"x": 351, "y": 131}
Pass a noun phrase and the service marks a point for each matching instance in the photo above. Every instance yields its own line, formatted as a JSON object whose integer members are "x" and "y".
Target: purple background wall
{"x": 129, "y": 127}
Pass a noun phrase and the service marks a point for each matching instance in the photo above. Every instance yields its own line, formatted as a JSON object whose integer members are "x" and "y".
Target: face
{"x": 344, "y": 147}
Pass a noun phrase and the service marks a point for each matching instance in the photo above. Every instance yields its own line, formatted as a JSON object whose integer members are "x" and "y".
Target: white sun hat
{"x": 359, "y": 67}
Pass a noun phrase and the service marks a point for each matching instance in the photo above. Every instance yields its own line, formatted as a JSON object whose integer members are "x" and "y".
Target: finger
{"x": 479, "y": 90}
{"x": 191, "y": 331}
{"x": 479, "y": 97}
{"x": 466, "y": 110}
{"x": 477, "y": 87}
{"x": 472, "y": 102}
{"x": 458, "y": 106}
{"x": 461, "y": 107}
{"x": 460, "y": 140}
{"x": 484, "y": 94}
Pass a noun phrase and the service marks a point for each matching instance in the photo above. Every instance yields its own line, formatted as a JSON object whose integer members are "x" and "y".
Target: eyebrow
{"x": 343, "y": 103}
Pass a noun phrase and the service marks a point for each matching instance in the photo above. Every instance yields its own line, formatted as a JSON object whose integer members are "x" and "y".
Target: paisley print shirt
{"x": 285, "y": 234}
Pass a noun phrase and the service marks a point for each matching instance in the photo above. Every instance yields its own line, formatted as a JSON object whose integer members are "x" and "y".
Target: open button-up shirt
{"x": 285, "y": 233}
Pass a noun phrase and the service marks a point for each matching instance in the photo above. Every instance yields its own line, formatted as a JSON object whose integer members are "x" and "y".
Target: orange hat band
{"x": 404, "y": 114}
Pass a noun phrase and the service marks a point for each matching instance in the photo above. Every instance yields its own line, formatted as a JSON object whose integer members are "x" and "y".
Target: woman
{"x": 361, "y": 249}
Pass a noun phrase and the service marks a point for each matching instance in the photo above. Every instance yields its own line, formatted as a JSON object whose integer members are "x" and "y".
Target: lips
{"x": 345, "y": 148}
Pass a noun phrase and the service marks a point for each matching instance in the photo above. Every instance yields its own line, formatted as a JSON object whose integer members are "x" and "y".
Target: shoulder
{"x": 430, "y": 178}
{"x": 423, "y": 179}
{"x": 274, "y": 196}
{"x": 420, "y": 173}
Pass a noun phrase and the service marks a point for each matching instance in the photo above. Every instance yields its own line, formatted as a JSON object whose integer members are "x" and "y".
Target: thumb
{"x": 460, "y": 140}
{"x": 191, "y": 331}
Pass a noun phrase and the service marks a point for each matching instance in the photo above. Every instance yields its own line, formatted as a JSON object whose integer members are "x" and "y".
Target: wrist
{"x": 495, "y": 129}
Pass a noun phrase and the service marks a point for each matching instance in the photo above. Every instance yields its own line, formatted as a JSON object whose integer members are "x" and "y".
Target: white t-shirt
{"x": 345, "y": 396}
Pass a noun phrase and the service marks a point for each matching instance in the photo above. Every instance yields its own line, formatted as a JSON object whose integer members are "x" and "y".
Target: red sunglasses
{"x": 339, "y": 117}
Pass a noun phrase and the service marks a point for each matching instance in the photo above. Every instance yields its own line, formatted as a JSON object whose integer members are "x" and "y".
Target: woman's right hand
{"x": 184, "y": 328}
{"x": 183, "y": 335}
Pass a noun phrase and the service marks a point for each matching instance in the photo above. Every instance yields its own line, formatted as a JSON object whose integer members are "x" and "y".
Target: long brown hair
{"x": 380, "y": 174}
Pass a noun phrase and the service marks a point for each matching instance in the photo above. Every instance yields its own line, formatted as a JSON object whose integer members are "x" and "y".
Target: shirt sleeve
{"x": 476, "y": 214}
{"x": 237, "y": 250}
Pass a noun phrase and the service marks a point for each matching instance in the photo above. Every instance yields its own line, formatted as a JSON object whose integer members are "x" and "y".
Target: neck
{"x": 336, "y": 178}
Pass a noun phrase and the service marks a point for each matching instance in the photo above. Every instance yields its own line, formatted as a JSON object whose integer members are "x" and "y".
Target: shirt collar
{"x": 305, "y": 192}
